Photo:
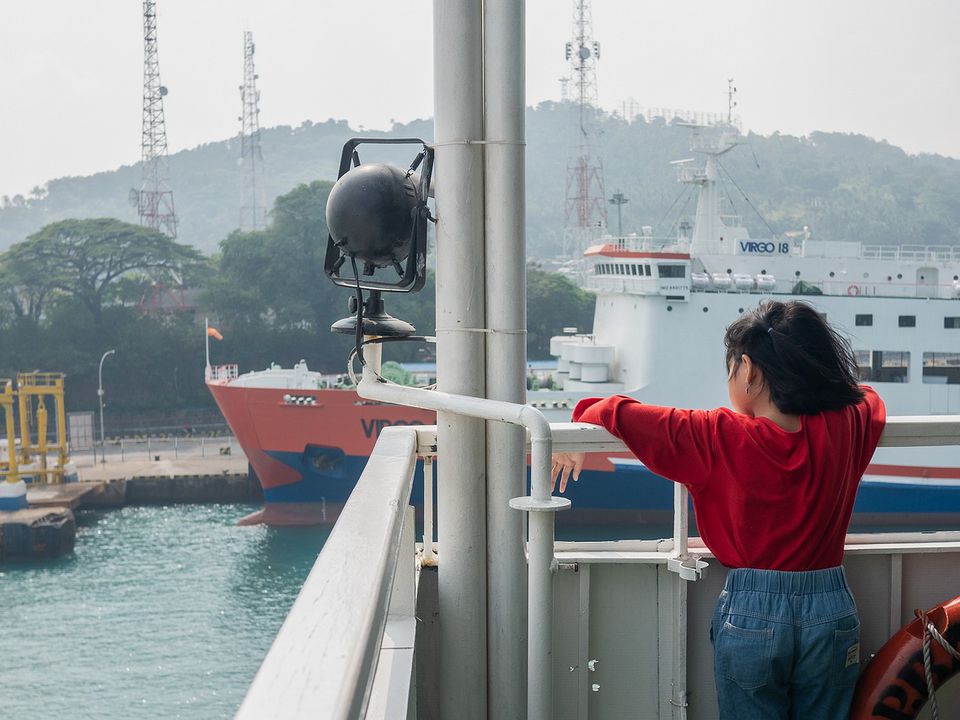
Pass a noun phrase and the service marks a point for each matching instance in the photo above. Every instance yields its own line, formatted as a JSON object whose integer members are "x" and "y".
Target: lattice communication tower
{"x": 253, "y": 208}
{"x": 586, "y": 210}
{"x": 155, "y": 198}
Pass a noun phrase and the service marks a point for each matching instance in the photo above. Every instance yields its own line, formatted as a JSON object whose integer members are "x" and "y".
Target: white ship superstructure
{"x": 663, "y": 305}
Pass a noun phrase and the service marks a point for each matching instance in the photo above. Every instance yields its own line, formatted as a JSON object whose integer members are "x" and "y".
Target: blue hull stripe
{"x": 328, "y": 475}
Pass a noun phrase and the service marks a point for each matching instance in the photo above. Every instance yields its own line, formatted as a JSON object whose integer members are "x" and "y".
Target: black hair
{"x": 807, "y": 366}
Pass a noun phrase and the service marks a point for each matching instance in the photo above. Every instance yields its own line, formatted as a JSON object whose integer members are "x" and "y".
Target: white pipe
{"x": 461, "y": 496}
{"x": 541, "y": 506}
{"x": 503, "y": 77}
{"x": 681, "y": 520}
{"x": 428, "y": 510}
{"x": 371, "y": 388}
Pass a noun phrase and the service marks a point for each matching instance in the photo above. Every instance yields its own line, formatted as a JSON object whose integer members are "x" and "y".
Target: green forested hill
{"x": 841, "y": 186}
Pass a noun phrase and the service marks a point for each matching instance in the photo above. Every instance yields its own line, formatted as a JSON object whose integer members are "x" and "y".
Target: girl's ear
{"x": 749, "y": 369}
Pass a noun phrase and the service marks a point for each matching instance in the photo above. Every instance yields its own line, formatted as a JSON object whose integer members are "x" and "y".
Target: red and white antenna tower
{"x": 253, "y": 209}
{"x": 586, "y": 208}
{"x": 155, "y": 198}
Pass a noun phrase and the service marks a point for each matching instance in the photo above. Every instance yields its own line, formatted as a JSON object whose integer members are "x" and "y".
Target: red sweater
{"x": 764, "y": 497}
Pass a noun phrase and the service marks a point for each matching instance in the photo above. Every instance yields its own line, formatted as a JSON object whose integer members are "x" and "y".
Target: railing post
{"x": 428, "y": 480}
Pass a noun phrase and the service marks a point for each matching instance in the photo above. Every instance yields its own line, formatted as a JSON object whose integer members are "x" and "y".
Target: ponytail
{"x": 807, "y": 366}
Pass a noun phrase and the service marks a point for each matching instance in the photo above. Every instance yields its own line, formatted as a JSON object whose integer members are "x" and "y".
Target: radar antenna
{"x": 253, "y": 209}
{"x": 731, "y": 103}
{"x": 155, "y": 198}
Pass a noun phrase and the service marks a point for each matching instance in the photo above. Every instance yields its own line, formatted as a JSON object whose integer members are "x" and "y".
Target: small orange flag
{"x": 214, "y": 333}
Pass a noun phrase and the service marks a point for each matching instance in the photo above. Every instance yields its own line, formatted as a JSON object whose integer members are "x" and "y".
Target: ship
{"x": 660, "y": 301}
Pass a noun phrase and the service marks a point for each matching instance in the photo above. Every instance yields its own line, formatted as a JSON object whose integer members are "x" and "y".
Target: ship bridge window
{"x": 942, "y": 368}
{"x": 646, "y": 270}
{"x": 864, "y": 320}
{"x": 908, "y": 321}
{"x": 883, "y": 365}
{"x": 633, "y": 269}
{"x": 672, "y": 271}
{"x": 951, "y": 322}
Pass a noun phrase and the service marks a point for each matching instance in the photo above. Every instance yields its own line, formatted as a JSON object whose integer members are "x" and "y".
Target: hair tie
{"x": 769, "y": 329}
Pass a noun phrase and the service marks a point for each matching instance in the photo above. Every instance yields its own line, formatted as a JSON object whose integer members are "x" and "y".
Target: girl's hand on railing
{"x": 567, "y": 465}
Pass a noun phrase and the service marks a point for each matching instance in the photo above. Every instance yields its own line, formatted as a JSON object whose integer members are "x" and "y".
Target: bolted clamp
{"x": 689, "y": 567}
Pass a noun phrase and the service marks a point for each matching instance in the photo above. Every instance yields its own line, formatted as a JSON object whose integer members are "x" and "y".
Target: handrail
{"x": 322, "y": 662}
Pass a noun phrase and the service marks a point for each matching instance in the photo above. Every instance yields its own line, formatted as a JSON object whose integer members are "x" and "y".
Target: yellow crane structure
{"x": 8, "y": 398}
{"x": 34, "y": 416}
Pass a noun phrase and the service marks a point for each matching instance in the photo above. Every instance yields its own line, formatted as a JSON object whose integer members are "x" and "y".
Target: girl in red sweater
{"x": 773, "y": 483}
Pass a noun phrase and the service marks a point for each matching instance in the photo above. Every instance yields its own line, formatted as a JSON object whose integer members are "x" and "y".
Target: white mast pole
{"x": 504, "y": 76}
{"x": 206, "y": 340}
{"x": 461, "y": 512}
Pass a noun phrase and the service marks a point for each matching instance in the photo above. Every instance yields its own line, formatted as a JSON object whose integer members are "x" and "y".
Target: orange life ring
{"x": 893, "y": 684}
{"x": 853, "y": 290}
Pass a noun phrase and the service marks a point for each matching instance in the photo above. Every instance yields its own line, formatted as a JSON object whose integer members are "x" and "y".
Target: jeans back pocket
{"x": 744, "y": 655}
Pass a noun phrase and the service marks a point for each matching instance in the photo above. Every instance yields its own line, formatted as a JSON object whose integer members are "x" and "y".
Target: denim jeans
{"x": 785, "y": 645}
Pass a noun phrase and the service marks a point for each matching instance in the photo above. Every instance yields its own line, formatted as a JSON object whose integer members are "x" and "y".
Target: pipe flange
{"x": 528, "y": 503}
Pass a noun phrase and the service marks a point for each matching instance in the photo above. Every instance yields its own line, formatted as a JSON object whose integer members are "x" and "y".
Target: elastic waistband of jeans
{"x": 782, "y": 581}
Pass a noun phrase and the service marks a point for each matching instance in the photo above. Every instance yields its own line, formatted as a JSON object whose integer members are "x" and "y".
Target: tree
{"x": 277, "y": 273}
{"x": 23, "y": 290}
{"x": 553, "y": 303}
{"x": 85, "y": 259}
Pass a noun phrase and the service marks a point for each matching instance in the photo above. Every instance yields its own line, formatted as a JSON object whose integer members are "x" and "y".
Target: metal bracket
{"x": 689, "y": 568}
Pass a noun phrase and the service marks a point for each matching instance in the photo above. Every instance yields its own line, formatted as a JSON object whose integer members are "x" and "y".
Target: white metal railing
{"x": 325, "y": 660}
{"x": 222, "y": 373}
{"x": 350, "y": 631}
{"x": 930, "y": 253}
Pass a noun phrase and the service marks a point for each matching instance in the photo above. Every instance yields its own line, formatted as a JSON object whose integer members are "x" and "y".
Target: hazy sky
{"x": 71, "y": 72}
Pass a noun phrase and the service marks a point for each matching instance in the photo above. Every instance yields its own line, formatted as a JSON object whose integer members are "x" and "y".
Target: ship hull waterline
{"x": 308, "y": 457}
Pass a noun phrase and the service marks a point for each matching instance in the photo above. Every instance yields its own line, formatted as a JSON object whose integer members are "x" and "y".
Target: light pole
{"x": 103, "y": 455}
{"x": 619, "y": 200}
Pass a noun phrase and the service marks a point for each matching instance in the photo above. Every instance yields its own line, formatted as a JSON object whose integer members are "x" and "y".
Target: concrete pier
{"x": 36, "y": 533}
{"x": 47, "y": 528}
{"x": 162, "y": 477}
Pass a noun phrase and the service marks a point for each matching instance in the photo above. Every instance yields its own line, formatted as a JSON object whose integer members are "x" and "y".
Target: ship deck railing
{"x": 223, "y": 373}
{"x": 912, "y": 253}
{"x": 348, "y": 649}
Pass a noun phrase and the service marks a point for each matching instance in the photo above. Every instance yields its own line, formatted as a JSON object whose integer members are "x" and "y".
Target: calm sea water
{"x": 161, "y": 612}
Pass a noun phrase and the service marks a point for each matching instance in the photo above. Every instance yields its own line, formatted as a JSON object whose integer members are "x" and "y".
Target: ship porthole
{"x": 669, "y": 308}
{"x": 740, "y": 310}
{"x": 831, "y": 273}
{"x": 705, "y": 308}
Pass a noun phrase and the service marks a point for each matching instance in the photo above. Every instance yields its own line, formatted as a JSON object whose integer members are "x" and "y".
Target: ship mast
{"x": 155, "y": 198}
{"x": 708, "y": 227}
{"x": 586, "y": 211}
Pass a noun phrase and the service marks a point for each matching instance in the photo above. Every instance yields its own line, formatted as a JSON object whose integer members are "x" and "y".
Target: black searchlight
{"x": 377, "y": 217}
